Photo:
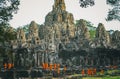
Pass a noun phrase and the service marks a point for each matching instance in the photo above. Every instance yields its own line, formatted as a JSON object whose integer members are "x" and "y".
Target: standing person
{"x": 83, "y": 72}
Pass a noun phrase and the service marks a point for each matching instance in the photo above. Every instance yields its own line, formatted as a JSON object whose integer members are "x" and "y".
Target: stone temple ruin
{"x": 59, "y": 40}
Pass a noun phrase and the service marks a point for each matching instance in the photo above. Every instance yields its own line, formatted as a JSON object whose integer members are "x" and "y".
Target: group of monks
{"x": 88, "y": 71}
{"x": 8, "y": 65}
{"x": 91, "y": 72}
{"x": 55, "y": 67}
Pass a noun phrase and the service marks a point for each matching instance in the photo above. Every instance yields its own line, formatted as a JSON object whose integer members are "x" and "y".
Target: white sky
{"x": 36, "y": 10}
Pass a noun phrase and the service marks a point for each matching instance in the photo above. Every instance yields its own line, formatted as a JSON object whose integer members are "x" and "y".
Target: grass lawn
{"x": 109, "y": 77}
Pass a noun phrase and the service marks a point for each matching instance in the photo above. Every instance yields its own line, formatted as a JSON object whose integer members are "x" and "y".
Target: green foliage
{"x": 7, "y": 34}
{"x": 77, "y": 22}
{"x": 92, "y": 34}
{"x": 1, "y": 34}
{"x": 113, "y": 14}
{"x": 10, "y": 35}
{"x": 7, "y": 8}
{"x": 113, "y": 2}
{"x": 86, "y": 3}
{"x": 90, "y": 26}
{"x": 26, "y": 28}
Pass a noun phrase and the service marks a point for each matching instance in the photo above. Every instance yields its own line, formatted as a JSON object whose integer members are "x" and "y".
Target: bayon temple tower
{"x": 58, "y": 36}
{"x": 58, "y": 28}
{"x": 44, "y": 42}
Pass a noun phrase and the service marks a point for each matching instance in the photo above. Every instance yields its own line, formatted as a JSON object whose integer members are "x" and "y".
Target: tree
{"x": 86, "y": 3}
{"x": 7, "y": 8}
{"x": 7, "y": 33}
{"x": 113, "y": 14}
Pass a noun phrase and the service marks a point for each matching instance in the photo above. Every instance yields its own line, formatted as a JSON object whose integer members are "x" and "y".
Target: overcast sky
{"x": 36, "y": 10}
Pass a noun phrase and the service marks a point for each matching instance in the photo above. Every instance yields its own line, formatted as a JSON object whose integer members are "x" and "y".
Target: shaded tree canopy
{"x": 86, "y": 3}
{"x": 113, "y": 14}
{"x": 7, "y": 8}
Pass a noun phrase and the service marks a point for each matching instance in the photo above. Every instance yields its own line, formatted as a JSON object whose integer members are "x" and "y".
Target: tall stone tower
{"x": 21, "y": 36}
{"x": 102, "y": 36}
{"x": 59, "y": 24}
{"x": 59, "y": 4}
{"x": 33, "y": 33}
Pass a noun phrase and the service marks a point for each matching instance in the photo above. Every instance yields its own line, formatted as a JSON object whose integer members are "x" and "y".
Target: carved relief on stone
{"x": 63, "y": 7}
{"x": 102, "y": 34}
{"x": 33, "y": 29}
{"x": 59, "y": 5}
{"x": 72, "y": 30}
{"x": 70, "y": 18}
{"x": 59, "y": 18}
{"x": 21, "y": 36}
{"x": 33, "y": 35}
{"x": 115, "y": 38}
{"x": 82, "y": 30}
{"x": 57, "y": 31}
